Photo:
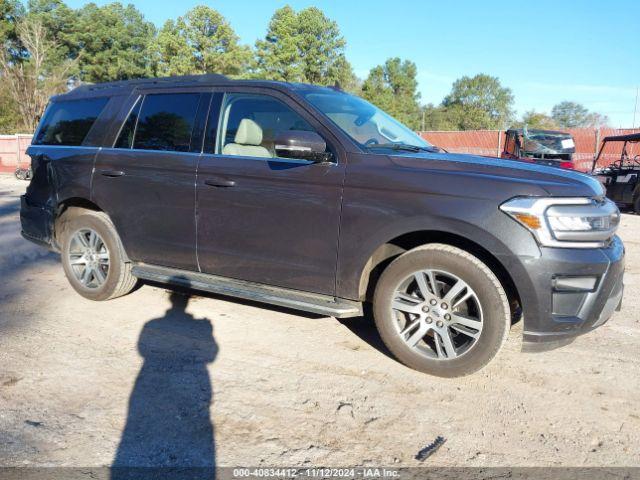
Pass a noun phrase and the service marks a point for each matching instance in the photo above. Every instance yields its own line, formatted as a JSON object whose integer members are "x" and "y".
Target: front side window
{"x": 251, "y": 123}
{"x": 165, "y": 122}
{"x": 365, "y": 123}
{"x": 68, "y": 122}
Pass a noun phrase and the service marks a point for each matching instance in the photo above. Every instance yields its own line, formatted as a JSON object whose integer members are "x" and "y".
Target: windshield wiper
{"x": 403, "y": 146}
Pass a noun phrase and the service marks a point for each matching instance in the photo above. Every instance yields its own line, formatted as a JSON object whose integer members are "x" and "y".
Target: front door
{"x": 260, "y": 217}
{"x": 146, "y": 182}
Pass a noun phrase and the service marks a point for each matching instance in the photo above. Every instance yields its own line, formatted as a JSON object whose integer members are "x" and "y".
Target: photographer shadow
{"x": 168, "y": 433}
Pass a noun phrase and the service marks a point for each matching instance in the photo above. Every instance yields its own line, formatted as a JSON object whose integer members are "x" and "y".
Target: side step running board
{"x": 309, "y": 302}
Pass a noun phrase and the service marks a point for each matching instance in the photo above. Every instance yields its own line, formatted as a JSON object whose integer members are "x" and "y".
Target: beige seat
{"x": 247, "y": 141}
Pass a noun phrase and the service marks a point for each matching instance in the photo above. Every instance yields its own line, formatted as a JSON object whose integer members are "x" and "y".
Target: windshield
{"x": 548, "y": 143}
{"x": 363, "y": 122}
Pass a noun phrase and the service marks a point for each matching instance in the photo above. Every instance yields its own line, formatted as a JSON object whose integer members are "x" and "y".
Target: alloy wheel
{"x": 438, "y": 315}
{"x": 89, "y": 258}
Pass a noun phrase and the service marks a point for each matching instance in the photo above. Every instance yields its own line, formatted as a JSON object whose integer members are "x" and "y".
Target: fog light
{"x": 575, "y": 284}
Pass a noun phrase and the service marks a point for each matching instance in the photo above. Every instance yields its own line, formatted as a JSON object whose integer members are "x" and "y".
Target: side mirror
{"x": 302, "y": 145}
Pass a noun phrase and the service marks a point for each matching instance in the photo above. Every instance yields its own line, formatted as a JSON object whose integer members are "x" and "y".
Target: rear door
{"x": 264, "y": 218}
{"x": 146, "y": 180}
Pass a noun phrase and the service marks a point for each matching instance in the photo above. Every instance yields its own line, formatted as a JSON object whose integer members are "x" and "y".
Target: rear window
{"x": 67, "y": 123}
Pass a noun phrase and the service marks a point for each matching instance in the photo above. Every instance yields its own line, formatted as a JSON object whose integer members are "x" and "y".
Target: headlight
{"x": 566, "y": 222}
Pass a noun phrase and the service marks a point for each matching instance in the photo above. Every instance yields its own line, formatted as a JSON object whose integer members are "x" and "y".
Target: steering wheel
{"x": 371, "y": 141}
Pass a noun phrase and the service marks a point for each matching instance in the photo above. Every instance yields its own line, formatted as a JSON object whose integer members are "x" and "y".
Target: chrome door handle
{"x": 112, "y": 173}
{"x": 220, "y": 182}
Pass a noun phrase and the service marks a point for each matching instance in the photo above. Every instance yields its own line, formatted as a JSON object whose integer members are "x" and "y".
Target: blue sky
{"x": 545, "y": 51}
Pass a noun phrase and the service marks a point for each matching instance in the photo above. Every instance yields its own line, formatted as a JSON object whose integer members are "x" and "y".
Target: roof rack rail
{"x": 183, "y": 79}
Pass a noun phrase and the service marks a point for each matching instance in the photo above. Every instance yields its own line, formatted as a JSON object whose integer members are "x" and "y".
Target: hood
{"x": 534, "y": 179}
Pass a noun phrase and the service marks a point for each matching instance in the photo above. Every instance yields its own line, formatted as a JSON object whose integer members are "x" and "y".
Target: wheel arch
{"x": 78, "y": 202}
{"x": 70, "y": 204}
{"x": 385, "y": 253}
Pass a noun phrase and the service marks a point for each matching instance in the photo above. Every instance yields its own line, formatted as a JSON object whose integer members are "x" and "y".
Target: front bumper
{"x": 563, "y": 315}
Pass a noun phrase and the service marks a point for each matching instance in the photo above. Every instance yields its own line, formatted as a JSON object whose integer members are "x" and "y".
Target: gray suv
{"x": 313, "y": 199}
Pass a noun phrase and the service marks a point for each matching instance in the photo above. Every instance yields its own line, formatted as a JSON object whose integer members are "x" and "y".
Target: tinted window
{"x": 67, "y": 123}
{"x": 212, "y": 123}
{"x": 166, "y": 122}
{"x": 267, "y": 114}
{"x": 201, "y": 118}
{"x": 125, "y": 139}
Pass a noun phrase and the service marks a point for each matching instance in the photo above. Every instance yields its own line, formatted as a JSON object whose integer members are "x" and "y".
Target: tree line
{"x": 48, "y": 47}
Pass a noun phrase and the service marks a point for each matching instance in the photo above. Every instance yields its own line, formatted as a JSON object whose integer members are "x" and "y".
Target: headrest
{"x": 249, "y": 133}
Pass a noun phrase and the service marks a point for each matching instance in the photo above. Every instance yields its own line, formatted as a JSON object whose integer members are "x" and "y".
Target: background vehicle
{"x": 620, "y": 178}
{"x": 544, "y": 147}
{"x": 23, "y": 173}
{"x": 314, "y": 199}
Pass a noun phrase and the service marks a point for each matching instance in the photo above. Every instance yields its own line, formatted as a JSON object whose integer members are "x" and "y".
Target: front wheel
{"x": 92, "y": 256}
{"x": 442, "y": 311}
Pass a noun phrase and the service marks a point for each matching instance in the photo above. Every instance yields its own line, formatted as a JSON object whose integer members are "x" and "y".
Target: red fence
{"x": 477, "y": 142}
{"x": 491, "y": 143}
{"x": 12, "y": 152}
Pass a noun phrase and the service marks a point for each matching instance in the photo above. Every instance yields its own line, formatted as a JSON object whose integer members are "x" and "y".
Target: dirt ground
{"x": 149, "y": 379}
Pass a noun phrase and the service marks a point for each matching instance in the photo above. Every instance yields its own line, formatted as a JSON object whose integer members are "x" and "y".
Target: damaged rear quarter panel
{"x": 59, "y": 174}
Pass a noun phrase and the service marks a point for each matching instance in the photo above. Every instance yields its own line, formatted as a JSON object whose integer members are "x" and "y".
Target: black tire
{"x": 496, "y": 317}
{"x": 119, "y": 281}
{"x": 636, "y": 205}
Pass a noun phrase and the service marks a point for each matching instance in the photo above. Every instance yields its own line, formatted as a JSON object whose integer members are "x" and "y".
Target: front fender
{"x": 367, "y": 226}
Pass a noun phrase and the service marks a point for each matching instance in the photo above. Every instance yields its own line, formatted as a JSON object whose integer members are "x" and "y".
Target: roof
{"x": 632, "y": 137}
{"x": 123, "y": 87}
{"x": 536, "y": 131}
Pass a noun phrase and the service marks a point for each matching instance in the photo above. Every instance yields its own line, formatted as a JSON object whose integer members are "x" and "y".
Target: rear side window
{"x": 125, "y": 139}
{"x": 166, "y": 121}
{"x": 67, "y": 123}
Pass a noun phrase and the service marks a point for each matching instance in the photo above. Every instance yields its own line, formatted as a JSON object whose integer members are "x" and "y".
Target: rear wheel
{"x": 636, "y": 205}
{"x": 440, "y": 310}
{"x": 92, "y": 256}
